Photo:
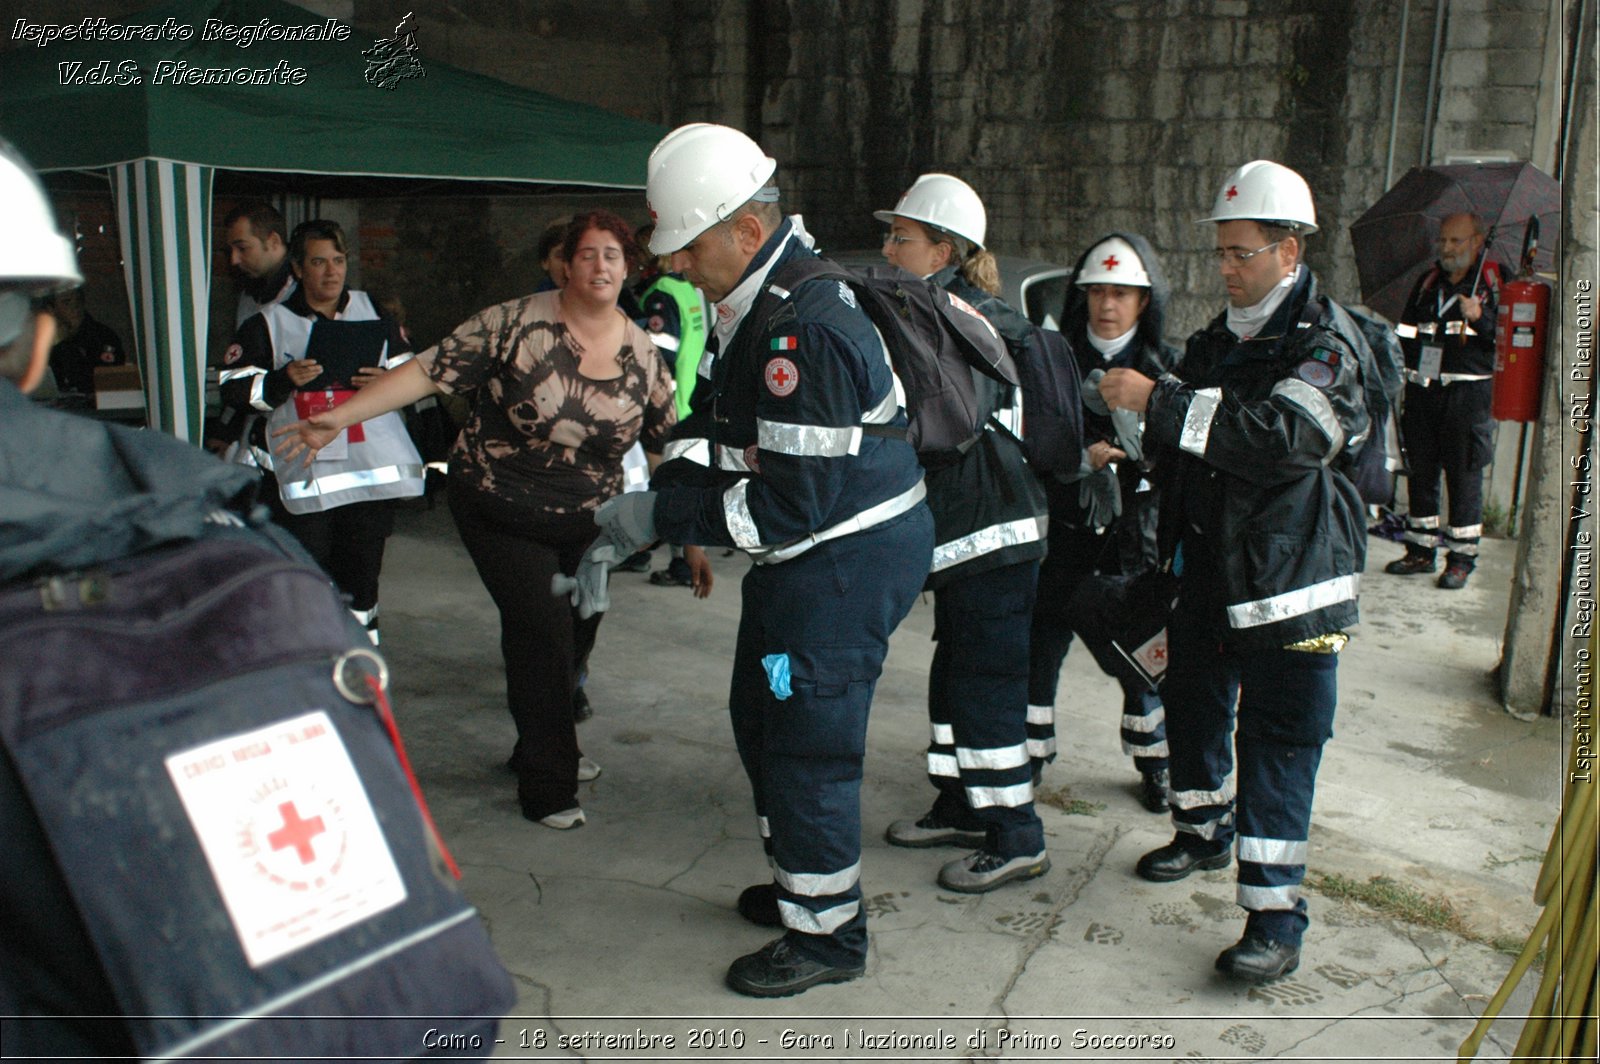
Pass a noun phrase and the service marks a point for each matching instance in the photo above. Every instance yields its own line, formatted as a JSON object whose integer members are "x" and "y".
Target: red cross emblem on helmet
{"x": 1233, "y": 190}
{"x": 1109, "y": 262}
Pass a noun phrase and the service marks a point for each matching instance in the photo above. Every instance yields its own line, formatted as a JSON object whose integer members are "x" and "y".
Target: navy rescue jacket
{"x": 773, "y": 459}
{"x": 1261, "y": 434}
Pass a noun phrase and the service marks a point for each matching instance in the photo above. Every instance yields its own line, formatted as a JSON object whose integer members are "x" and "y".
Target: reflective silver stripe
{"x": 871, "y": 517}
{"x": 1422, "y": 522}
{"x": 262, "y": 456}
{"x": 1414, "y": 377}
{"x": 664, "y": 341}
{"x": 994, "y": 757}
{"x": 258, "y": 394}
{"x": 1453, "y": 378}
{"x": 1272, "y": 851}
{"x": 779, "y": 291}
{"x": 1468, "y": 550}
{"x": 1006, "y": 797}
{"x": 1201, "y": 799}
{"x": 764, "y": 826}
{"x": 943, "y": 765}
{"x": 1405, "y": 330}
{"x": 365, "y": 617}
{"x": 986, "y": 541}
{"x": 807, "y": 440}
{"x": 824, "y": 923}
{"x": 736, "y": 511}
{"x": 1295, "y": 603}
{"x": 357, "y": 478}
{"x": 1147, "y": 723}
{"x": 819, "y": 884}
{"x": 1042, "y": 747}
{"x": 943, "y": 734}
{"x": 1262, "y": 899}
{"x": 1465, "y": 532}
{"x": 693, "y": 449}
{"x": 1207, "y": 831}
{"x": 1311, "y": 399}
{"x": 226, "y": 375}
{"x": 884, "y": 412}
{"x": 732, "y": 458}
{"x": 1422, "y": 539}
{"x": 391, "y": 361}
{"x": 1197, "y": 422}
{"x": 1041, "y": 714}
{"x": 1153, "y": 750}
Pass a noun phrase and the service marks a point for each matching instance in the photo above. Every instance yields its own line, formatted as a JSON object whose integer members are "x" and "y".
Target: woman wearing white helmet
{"x": 988, "y": 522}
{"x": 1114, "y": 315}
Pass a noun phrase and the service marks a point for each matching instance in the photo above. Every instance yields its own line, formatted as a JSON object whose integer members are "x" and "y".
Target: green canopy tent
{"x": 294, "y": 107}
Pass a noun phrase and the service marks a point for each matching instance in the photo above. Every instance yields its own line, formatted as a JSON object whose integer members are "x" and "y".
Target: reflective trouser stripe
{"x": 1041, "y": 714}
{"x": 995, "y": 758}
{"x": 1152, "y": 750}
{"x": 1208, "y": 829}
{"x": 825, "y": 922}
{"x": 943, "y": 765}
{"x": 1268, "y": 898}
{"x": 1296, "y": 603}
{"x": 1272, "y": 851}
{"x": 819, "y": 884}
{"x": 1018, "y": 794}
{"x": 1147, "y": 722}
{"x": 1201, "y": 799}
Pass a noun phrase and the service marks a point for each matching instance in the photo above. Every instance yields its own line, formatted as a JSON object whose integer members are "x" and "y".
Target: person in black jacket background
{"x": 1103, "y": 523}
{"x": 1264, "y": 528}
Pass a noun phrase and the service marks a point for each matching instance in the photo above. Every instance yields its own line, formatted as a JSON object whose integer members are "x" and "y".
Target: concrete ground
{"x": 618, "y": 934}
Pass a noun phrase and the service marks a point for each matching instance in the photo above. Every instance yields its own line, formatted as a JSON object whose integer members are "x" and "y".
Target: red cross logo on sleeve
{"x": 296, "y": 833}
{"x": 1109, "y": 262}
{"x": 782, "y": 377}
{"x": 1233, "y": 190}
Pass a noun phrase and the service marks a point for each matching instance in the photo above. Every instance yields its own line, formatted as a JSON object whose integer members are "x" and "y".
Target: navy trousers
{"x": 1285, "y": 701}
{"x": 1448, "y": 429}
{"x": 977, "y": 707}
{"x": 812, "y": 639}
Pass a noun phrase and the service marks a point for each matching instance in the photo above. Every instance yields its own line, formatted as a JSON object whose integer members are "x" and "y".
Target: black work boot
{"x": 1258, "y": 959}
{"x": 1153, "y": 791}
{"x": 1175, "y": 860}
{"x": 778, "y": 970}
{"x": 1456, "y": 570}
{"x": 759, "y": 905}
{"x": 1417, "y": 560}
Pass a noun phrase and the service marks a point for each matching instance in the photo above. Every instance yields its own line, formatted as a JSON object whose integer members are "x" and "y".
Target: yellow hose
{"x": 1561, "y": 1023}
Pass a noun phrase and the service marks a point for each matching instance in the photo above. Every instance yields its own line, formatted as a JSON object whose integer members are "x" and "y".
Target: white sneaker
{"x": 565, "y": 820}
{"x": 587, "y": 770}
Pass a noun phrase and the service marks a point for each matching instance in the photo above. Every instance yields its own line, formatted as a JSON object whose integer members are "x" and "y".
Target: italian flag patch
{"x": 784, "y": 343}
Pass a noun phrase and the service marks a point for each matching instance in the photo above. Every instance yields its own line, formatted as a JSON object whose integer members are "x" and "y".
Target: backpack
{"x": 936, "y": 342}
{"x": 1383, "y": 378}
{"x": 226, "y": 807}
{"x": 1052, "y": 402}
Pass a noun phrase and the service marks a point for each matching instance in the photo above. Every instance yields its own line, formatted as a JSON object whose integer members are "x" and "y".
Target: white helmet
{"x": 945, "y": 202}
{"x": 698, "y": 176}
{"x": 1264, "y": 191}
{"x": 31, "y": 247}
{"x": 1113, "y": 261}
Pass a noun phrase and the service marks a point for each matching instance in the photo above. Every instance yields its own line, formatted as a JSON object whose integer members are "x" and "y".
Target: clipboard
{"x": 342, "y": 348}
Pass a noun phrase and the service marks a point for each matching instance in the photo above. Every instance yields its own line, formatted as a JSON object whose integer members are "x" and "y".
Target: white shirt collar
{"x": 1246, "y": 322}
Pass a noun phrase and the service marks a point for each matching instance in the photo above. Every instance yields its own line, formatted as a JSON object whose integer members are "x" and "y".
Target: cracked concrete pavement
{"x": 618, "y": 934}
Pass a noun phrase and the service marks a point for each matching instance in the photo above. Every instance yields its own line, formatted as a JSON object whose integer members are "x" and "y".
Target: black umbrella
{"x": 1397, "y": 238}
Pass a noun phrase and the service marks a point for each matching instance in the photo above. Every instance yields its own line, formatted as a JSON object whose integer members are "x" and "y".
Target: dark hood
{"x": 1152, "y": 323}
{"x": 75, "y": 492}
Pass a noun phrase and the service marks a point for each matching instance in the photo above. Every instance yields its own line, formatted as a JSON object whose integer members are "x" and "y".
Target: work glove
{"x": 590, "y": 587}
{"x": 1129, "y": 426}
{"x": 1101, "y": 497}
{"x": 628, "y": 521}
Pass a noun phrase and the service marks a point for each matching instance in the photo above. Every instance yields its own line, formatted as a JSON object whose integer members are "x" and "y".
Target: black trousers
{"x": 346, "y": 541}
{"x": 1448, "y": 429}
{"x": 516, "y": 552}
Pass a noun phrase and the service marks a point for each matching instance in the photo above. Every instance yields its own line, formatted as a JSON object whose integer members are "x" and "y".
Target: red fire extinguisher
{"x": 1519, "y": 341}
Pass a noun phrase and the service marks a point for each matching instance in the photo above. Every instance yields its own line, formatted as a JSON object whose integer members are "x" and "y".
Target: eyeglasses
{"x": 1235, "y": 257}
{"x": 897, "y": 239}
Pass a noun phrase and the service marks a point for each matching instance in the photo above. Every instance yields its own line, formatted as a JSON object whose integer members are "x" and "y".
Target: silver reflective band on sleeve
{"x": 1145, "y": 724}
{"x": 943, "y": 765}
{"x": 871, "y": 517}
{"x": 1263, "y": 899}
{"x": 258, "y": 394}
{"x": 1295, "y": 603}
{"x": 885, "y": 411}
{"x": 986, "y": 541}
{"x": 1041, "y": 714}
{"x": 736, "y": 511}
{"x": 996, "y": 757}
{"x": 732, "y": 458}
{"x": 1405, "y": 330}
{"x": 1197, "y": 422}
{"x": 1272, "y": 851}
{"x": 1041, "y": 747}
{"x": 360, "y": 478}
{"x": 807, "y": 440}
{"x": 696, "y": 450}
{"x": 1201, "y": 799}
{"x": 1006, "y": 797}
{"x": 224, "y": 376}
{"x": 942, "y": 734}
{"x": 824, "y": 923}
{"x": 1314, "y": 402}
{"x": 818, "y": 884}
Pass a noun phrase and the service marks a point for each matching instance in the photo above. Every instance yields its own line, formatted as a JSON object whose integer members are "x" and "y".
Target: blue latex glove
{"x": 628, "y": 520}
{"x": 590, "y": 588}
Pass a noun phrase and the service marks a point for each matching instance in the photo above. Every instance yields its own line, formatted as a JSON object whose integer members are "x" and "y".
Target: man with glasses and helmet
{"x": 1265, "y": 531}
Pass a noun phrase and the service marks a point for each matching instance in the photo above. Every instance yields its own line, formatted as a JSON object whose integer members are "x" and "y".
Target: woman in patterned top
{"x": 562, "y": 383}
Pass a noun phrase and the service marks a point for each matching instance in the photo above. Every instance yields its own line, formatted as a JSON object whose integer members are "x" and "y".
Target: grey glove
{"x": 628, "y": 520}
{"x": 1128, "y": 424}
{"x": 1092, "y": 398}
{"x": 1101, "y": 497}
{"x": 590, "y": 587}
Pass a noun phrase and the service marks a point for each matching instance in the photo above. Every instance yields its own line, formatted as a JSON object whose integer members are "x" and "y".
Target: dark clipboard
{"x": 342, "y": 348}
